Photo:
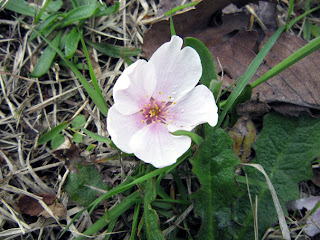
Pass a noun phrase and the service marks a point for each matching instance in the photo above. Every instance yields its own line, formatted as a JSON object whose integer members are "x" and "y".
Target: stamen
{"x": 160, "y": 93}
{"x": 159, "y": 121}
{"x": 163, "y": 106}
{"x": 147, "y": 95}
{"x": 143, "y": 121}
{"x": 169, "y": 97}
{"x": 174, "y": 102}
{"x": 153, "y": 122}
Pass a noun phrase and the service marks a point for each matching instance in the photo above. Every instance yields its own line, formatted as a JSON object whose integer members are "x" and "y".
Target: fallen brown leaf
{"x": 31, "y": 206}
{"x": 190, "y": 24}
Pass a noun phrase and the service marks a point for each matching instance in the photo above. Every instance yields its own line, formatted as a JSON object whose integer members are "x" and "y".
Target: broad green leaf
{"x": 79, "y": 121}
{"x": 77, "y": 137}
{"x": 151, "y": 219}
{"x": 114, "y": 51}
{"x": 214, "y": 166}
{"x": 46, "y": 58}
{"x": 285, "y": 148}
{"x": 52, "y": 133}
{"x": 108, "y": 10}
{"x": 79, "y": 182}
{"x": 72, "y": 41}
{"x": 208, "y": 67}
{"x": 22, "y": 7}
{"x": 78, "y": 14}
{"x": 57, "y": 141}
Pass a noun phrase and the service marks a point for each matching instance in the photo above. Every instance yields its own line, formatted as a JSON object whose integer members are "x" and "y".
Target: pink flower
{"x": 154, "y": 98}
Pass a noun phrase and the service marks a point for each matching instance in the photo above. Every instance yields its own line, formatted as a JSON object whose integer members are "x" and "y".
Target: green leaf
{"x": 22, "y": 7}
{"x": 195, "y": 137}
{"x": 79, "y": 121}
{"x": 114, "y": 51}
{"x": 151, "y": 218}
{"x": 46, "y": 58}
{"x": 208, "y": 67}
{"x": 111, "y": 216}
{"x": 72, "y": 41}
{"x": 178, "y": 8}
{"x": 48, "y": 25}
{"x": 97, "y": 137}
{"x": 79, "y": 14}
{"x": 285, "y": 148}
{"x": 77, "y": 137}
{"x": 214, "y": 166}
{"x": 52, "y": 133}
{"x": 78, "y": 184}
{"x": 57, "y": 141}
{"x": 108, "y": 10}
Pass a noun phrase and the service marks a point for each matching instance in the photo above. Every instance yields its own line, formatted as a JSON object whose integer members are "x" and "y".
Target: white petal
{"x": 177, "y": 71}
{"x": 134, "y": 87}
{"x": 154, "y": 144}
{"x": 195, "y": 108}
{"x": 122, "y": 127}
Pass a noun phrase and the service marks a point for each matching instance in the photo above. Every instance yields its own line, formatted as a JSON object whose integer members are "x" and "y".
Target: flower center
{"x": 156, "y": 111}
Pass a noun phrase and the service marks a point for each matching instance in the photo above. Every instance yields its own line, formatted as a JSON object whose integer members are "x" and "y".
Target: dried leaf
{"x": 297, "y": 85}
{"x": 194, "y": 23}
{"x": 58, "y": 210}
{"x": 244, "y": 135}
{"x": 31, "y": 206}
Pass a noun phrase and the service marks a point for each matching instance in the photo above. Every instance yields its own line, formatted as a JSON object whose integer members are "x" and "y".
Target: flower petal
{"x": 134, "y": 87}
{"x": 154, "y": 144}
{"x": 122, "y": 127}
{"x": 177, "y": 71}
{"x": 195, "y": 108}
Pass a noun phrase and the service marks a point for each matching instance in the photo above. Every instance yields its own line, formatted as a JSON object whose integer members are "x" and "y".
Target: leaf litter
{"x": 28, "y": 106}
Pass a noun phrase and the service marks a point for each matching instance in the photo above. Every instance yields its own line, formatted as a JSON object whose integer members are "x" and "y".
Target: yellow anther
{"x": 167, "y": 123}
{"x": 159, "y": 121}
{"x": 153, "y": 122}
{"x": 154, "y": 101}
{"x": 160, "y": 92}
{"x": 149, "y": 105}
{"x": 174, "y": 102}
{"x": 143, "y": 121}
{"x": 163, "y": 106}
{"x": 145, "y": 105}
{"x": 146, "y": 116}
{"x": 167, "y": 111}
{"x": 147, "y": 95}
{"x": 171, "y": 121}
{"x": 162, "y": 101}
{"x": 169, "y": 97}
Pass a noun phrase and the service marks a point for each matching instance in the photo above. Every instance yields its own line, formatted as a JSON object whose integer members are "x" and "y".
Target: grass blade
{"x": 309, "y": 48}
{"x": 249, "y": 73}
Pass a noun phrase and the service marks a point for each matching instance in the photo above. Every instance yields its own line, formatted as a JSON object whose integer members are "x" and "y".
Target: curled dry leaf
{"x": 31, "y": 206}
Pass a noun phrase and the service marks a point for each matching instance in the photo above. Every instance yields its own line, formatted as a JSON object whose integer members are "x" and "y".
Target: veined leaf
{"x": 214, "y": 166}
{"x": 285, "y": 148}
